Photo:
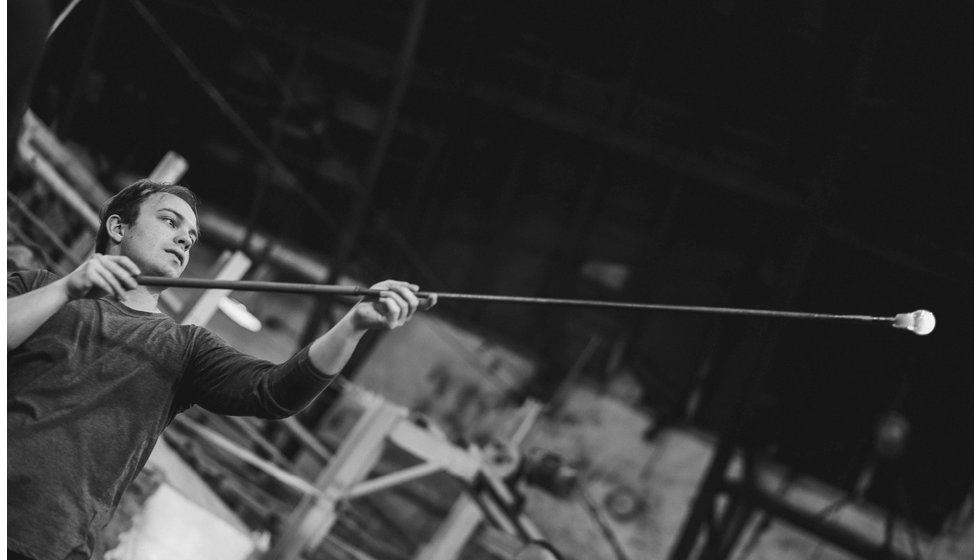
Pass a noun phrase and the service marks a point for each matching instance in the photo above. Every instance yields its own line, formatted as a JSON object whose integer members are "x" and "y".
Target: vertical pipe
{"x": 347, "y": 236}
{"x": 63, "y": 124}
{"x": 403, "y": 74}
{"x": 27, "y": 29}
{"x": 262, "y": 183}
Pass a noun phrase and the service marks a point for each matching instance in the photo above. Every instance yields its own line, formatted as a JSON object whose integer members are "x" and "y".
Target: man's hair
{"x": 126, "y": 203}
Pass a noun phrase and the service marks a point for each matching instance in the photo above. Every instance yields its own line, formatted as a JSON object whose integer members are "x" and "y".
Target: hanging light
{"x": 237, "y": 312}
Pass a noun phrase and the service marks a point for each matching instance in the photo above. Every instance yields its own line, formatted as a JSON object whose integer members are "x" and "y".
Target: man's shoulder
{"x": 22, "y": 281}
{"x": 32, "y": 273}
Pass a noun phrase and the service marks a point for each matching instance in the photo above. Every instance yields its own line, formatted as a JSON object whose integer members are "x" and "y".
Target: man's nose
{"x": 184, "y": 240}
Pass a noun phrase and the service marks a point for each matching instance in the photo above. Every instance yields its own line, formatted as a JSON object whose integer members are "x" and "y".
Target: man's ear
{"x": 115, "y": 227}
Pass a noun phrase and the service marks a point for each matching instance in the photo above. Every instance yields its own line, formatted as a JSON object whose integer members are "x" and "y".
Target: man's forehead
{"x": 162, "y": 200}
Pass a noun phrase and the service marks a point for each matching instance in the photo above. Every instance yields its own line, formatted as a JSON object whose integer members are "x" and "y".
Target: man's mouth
{"x": 180, "y": 258}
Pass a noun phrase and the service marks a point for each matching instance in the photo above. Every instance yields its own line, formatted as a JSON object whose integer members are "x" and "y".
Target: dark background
{"x": 809, "y": 155}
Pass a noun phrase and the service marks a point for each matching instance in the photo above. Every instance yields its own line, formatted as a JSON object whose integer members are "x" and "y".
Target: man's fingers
{"x": 114, "y": 274}
{"x": 127, "y": 263}
{"x": 393, "y": 309}
{"x": 402, "y": 310}
{"x": 103, "y": 267}
{"x": 119, "y": 270}
{"x": 407, "y": 293}
{"x": 108, "y": 279}
{"x": 397, "y": 302}
{"x": 98, "y": 283}
{"x": 423, "y": 303}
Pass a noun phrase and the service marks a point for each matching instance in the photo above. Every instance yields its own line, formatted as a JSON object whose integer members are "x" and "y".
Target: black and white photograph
{"x": 470, "y": 280}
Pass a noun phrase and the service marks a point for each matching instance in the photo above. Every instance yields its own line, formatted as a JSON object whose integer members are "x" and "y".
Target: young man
{"x": 96, "y": 372}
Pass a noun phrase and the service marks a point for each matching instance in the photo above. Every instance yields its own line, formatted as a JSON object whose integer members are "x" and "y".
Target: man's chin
{"x": 165, "y": 271}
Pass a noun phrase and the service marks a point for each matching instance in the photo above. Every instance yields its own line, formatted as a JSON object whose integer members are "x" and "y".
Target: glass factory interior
{"x": 810, "y": 156}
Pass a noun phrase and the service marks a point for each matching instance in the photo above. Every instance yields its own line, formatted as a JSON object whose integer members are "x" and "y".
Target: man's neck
{"x": 141, "y": 299}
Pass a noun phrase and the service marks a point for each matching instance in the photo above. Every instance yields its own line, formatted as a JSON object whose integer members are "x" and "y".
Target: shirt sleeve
{"x": 24, "y": 281}
{"x": 224, "y": 380}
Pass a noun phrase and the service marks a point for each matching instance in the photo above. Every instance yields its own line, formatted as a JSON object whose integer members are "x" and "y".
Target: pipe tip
{"x": 920, "y": 322}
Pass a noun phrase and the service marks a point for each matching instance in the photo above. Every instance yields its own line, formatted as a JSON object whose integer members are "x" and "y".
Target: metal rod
{"x": 273, "y": 470}
{"x": 356, "y": 291}
{"x": 403, "y": 476}
{"x": 43, "y": 228}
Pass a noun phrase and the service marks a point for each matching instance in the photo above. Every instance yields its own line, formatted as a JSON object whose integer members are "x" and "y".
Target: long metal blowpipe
{"x": 920, "y": 322}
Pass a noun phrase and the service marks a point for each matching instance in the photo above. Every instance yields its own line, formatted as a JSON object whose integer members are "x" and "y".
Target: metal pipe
{"x": 65, "y": 191}
{"x": 43, "y": 228}
{"x": 920, "y": 322}
{"x": 394, "y": 479}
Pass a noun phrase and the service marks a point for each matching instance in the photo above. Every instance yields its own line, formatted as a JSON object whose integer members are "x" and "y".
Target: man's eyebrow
{"x": 182, "y": 219}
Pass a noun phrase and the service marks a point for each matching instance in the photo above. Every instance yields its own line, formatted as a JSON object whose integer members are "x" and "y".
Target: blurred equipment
{"x": 735, "y": 488}
{"x": 345, "y": 477}
{"x": 171, "y": 513}
{"x": 549, "y": 471}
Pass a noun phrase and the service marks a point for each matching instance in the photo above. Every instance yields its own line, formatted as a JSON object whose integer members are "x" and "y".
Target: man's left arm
{"x": 225, "y": 381}
{"x": 396, "y": 305}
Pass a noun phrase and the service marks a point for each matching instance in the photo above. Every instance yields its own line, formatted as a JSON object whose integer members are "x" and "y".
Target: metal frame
{"x": 724, "y": 504}
{"x": 344, "y": 478}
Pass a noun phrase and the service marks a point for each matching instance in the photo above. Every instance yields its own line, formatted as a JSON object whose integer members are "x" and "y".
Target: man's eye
{"x": 170, "y": 222}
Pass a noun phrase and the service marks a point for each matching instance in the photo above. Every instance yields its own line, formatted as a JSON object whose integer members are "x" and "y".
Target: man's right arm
{"x": 98, "y": 275}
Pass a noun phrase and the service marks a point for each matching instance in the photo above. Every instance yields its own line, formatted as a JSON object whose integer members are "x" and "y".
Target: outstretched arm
{"x": 225, "y": 381}
{"x": 98, "y": 275}
{"x": 397, "y": 304}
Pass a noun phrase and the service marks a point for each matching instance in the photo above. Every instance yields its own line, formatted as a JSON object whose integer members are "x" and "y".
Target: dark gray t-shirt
{"x": 89, "y": 393}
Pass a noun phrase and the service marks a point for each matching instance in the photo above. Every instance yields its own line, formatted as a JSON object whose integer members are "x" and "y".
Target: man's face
{"x": 160, "y": 239}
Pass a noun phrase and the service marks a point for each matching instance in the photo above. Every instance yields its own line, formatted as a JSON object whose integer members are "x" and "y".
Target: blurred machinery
{"x": 489, "y": 477}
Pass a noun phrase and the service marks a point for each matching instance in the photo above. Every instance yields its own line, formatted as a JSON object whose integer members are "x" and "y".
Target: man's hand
{"x": 398, "y": 302}
{"x": 102, "y": 274}
{"x": 393, "y": 309}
